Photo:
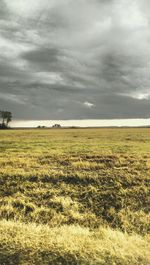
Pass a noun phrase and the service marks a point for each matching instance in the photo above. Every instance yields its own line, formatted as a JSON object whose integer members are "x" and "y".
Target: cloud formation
{"x": 78, "y": 59}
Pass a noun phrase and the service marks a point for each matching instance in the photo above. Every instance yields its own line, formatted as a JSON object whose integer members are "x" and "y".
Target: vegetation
{"x": 74, "y": 196}
{"x": 6, "y": 117}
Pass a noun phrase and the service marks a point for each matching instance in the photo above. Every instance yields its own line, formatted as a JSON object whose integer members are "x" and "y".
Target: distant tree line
{"x": 54, "y": 126}
{"x": 5, "y": 117}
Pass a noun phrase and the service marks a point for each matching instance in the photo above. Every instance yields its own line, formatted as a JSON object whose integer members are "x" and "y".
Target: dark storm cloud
{"x": 75, "y": 59}
{"x": 42, "y": 55}
{"x": 3, "y": 10}
{"x": 44, "y": 59}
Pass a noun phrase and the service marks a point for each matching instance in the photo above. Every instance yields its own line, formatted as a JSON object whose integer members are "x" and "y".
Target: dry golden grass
{"x": 32, "y": 244}
{"x": 78, "y": 196}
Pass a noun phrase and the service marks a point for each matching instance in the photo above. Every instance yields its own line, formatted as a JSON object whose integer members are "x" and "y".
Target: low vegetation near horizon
{"x": 75, "y": 196}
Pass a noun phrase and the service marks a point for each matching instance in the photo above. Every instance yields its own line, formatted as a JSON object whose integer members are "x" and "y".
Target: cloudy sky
{"x": 67, "y": 59}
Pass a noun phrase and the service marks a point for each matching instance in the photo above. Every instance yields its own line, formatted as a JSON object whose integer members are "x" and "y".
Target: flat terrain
{"x": 75, "y": 196}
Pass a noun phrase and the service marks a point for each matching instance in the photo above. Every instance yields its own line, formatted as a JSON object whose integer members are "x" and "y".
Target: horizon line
{"x": 138, "y": 122}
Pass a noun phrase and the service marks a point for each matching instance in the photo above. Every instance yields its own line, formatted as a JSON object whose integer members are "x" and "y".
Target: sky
{"x": 82, "y": 123}
{"x": 75, "y": 60}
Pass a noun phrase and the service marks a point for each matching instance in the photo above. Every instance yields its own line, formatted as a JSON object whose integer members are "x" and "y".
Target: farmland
{"x": 75, "y": 196}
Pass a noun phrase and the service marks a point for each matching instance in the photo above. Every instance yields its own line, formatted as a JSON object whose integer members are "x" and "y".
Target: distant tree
{"x": 41, "y": 127}
{"x": 56, "y": 126}
{"x": 6, "y": 117}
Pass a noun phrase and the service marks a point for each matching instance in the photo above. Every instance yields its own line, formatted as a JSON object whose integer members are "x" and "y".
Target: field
{"x": 75, "y": 196}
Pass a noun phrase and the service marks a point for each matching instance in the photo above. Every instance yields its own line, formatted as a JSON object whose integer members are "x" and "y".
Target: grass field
{"x": 75, "y": 196}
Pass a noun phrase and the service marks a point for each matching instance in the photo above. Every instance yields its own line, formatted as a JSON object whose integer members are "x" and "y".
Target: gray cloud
{"x": 3, "y": 10}
{"x": 75, "y": 59}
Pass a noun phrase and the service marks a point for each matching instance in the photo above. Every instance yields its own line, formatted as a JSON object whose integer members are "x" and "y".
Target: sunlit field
{"x": 75, "y": 196}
